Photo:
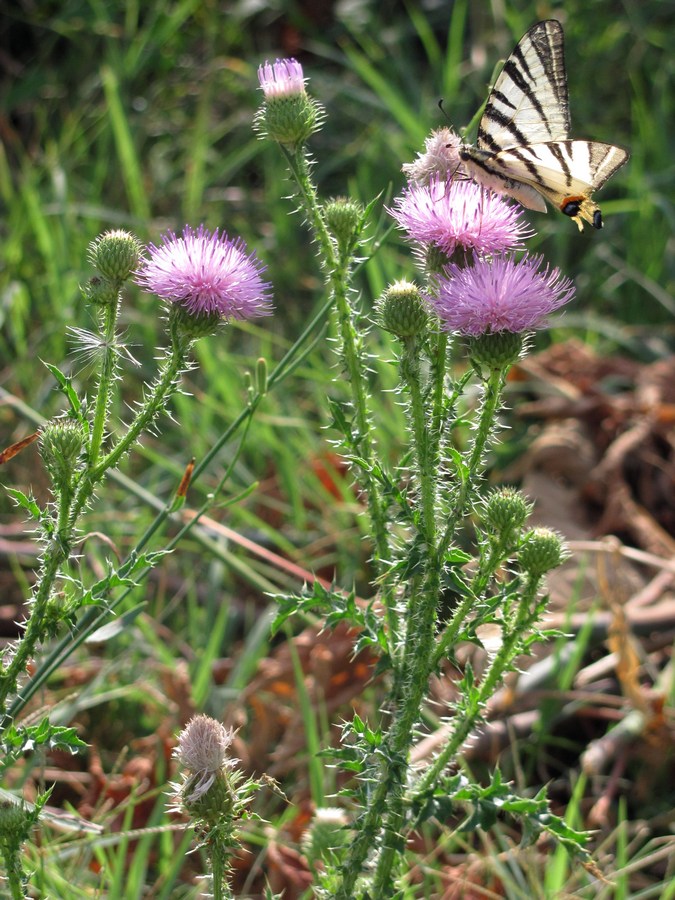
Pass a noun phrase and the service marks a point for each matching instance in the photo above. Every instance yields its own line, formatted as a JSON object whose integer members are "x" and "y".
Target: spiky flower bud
{"x": 16, "y": 820}
{"x": 61, "y": 443}
{"x": 505, "y": 511}
{"x": 495, "y": 350}
{"x": 288, "y": 115}
{"x": 326, "y": 833}
{"x": 343, "y": 219}
{"x": 401, "y": 309}
{"x": 99, "y": 291}
{"x": 115, "y": 254}
{"x": 542, "y": 550}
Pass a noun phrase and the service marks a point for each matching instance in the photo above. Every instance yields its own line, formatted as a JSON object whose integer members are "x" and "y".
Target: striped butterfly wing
{"x": 528, "y": 103}
{"x": 523, "y": 147}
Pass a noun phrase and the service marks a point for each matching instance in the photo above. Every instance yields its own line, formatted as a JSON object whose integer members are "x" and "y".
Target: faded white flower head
{"x": 203, "y": 749}
{"x": 440, "y": 159}
{"x": 330, "y": 815}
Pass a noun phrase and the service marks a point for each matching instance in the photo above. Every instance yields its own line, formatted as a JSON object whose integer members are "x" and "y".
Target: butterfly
{"x": 524, "y": 148}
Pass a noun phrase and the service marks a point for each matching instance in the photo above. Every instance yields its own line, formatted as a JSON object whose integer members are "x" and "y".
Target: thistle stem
{"x": 106, "y": 380}
{"x": 338, "y": 269}
{"x": 500, "y": 663}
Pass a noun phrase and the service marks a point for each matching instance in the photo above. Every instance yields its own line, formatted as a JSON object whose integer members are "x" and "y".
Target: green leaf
{"x": 24, "y": 739}
{"x": 27, "y": 503}
{"x": 457, "y": 557}
{"x": 119, "y": 624}
{"x": 66, "y": 387}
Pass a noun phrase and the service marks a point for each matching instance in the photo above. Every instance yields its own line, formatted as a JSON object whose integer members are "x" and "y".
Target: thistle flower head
{"x": 459, "y": 215}
{"x": 203, "y": 749}
{"x": 440, "y": 159}
{"x": 281, "y": 79}
{"x": 288, "y": 115}
{"x": 344, "y": 220}
{"x": 499, "y": 294}
{"x": 207, "y": 275}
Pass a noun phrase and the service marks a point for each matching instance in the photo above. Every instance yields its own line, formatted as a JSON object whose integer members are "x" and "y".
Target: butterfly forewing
{"x": 528, "y": 103}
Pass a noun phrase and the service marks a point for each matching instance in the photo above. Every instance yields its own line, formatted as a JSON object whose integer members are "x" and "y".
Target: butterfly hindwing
{"x": 523, "y": 147}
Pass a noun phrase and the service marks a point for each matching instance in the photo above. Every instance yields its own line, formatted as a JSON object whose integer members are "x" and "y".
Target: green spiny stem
{"x": 465, "y": 724}
{"x": 387, "y": 801}
{"x": 299, "y": 166}
{"x": 25, "y": 647}
{"x": 424, "y": 442}
{"x": 58, "y": 551}
{"x": 438, "y": 396}
{"x": 339, "y": 276}
{"x": 414, "y": 690}
{"x": 486, "y": 427}
{"x": 353, "y": 360}
{"x": 423, "y": 651}
{"x": 152, "y": 406}
{"x": 14, "y": 872}
{"x": 218, "y": 856}
{"x": 106, "y": 382}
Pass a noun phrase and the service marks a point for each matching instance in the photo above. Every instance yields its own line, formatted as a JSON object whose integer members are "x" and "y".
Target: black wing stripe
{"x": 529, "y": 165}
{"x": 495, "y": 115}
{"x": 560, "y": 156}
{"x": 515, "y": 74}
{"x": 502, "y": 98}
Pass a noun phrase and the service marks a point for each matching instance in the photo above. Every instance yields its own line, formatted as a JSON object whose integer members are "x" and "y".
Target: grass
{"x": 138, "y": 116}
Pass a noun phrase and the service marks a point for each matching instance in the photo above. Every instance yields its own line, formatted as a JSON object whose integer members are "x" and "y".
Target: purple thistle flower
{"x": 460, "y": 214}
{"x": 500, "y": 294}
{"x": 207, "y": 274}
{"x": 283, "y": 78}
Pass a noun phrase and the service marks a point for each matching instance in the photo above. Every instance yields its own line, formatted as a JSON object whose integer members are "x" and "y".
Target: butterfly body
{"x": 524, "y": 148}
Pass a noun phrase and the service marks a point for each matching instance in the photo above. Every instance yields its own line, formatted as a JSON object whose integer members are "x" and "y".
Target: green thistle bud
{"x": 505, "y": 511}
{"x": 325, "y": 835}
{"x": 16, "y": 820}
{"x": 401, "y": 310}
{"x": 343, "y": 219}
{"x": 542, "y": 551}
{"x": 61, "y": 443}
{"x": 99, "y": 292}
{"x": 116, "y": 255}
{"x": 495, "y": 350}
{"x": 289, "y": 120}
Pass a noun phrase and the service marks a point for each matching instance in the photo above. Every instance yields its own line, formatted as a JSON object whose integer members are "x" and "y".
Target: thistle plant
{"x": 204, "y": 279}
{"x": 213, "y": 794}
{"x": 436, "y": 531}
{"x": 435, "y": 528}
